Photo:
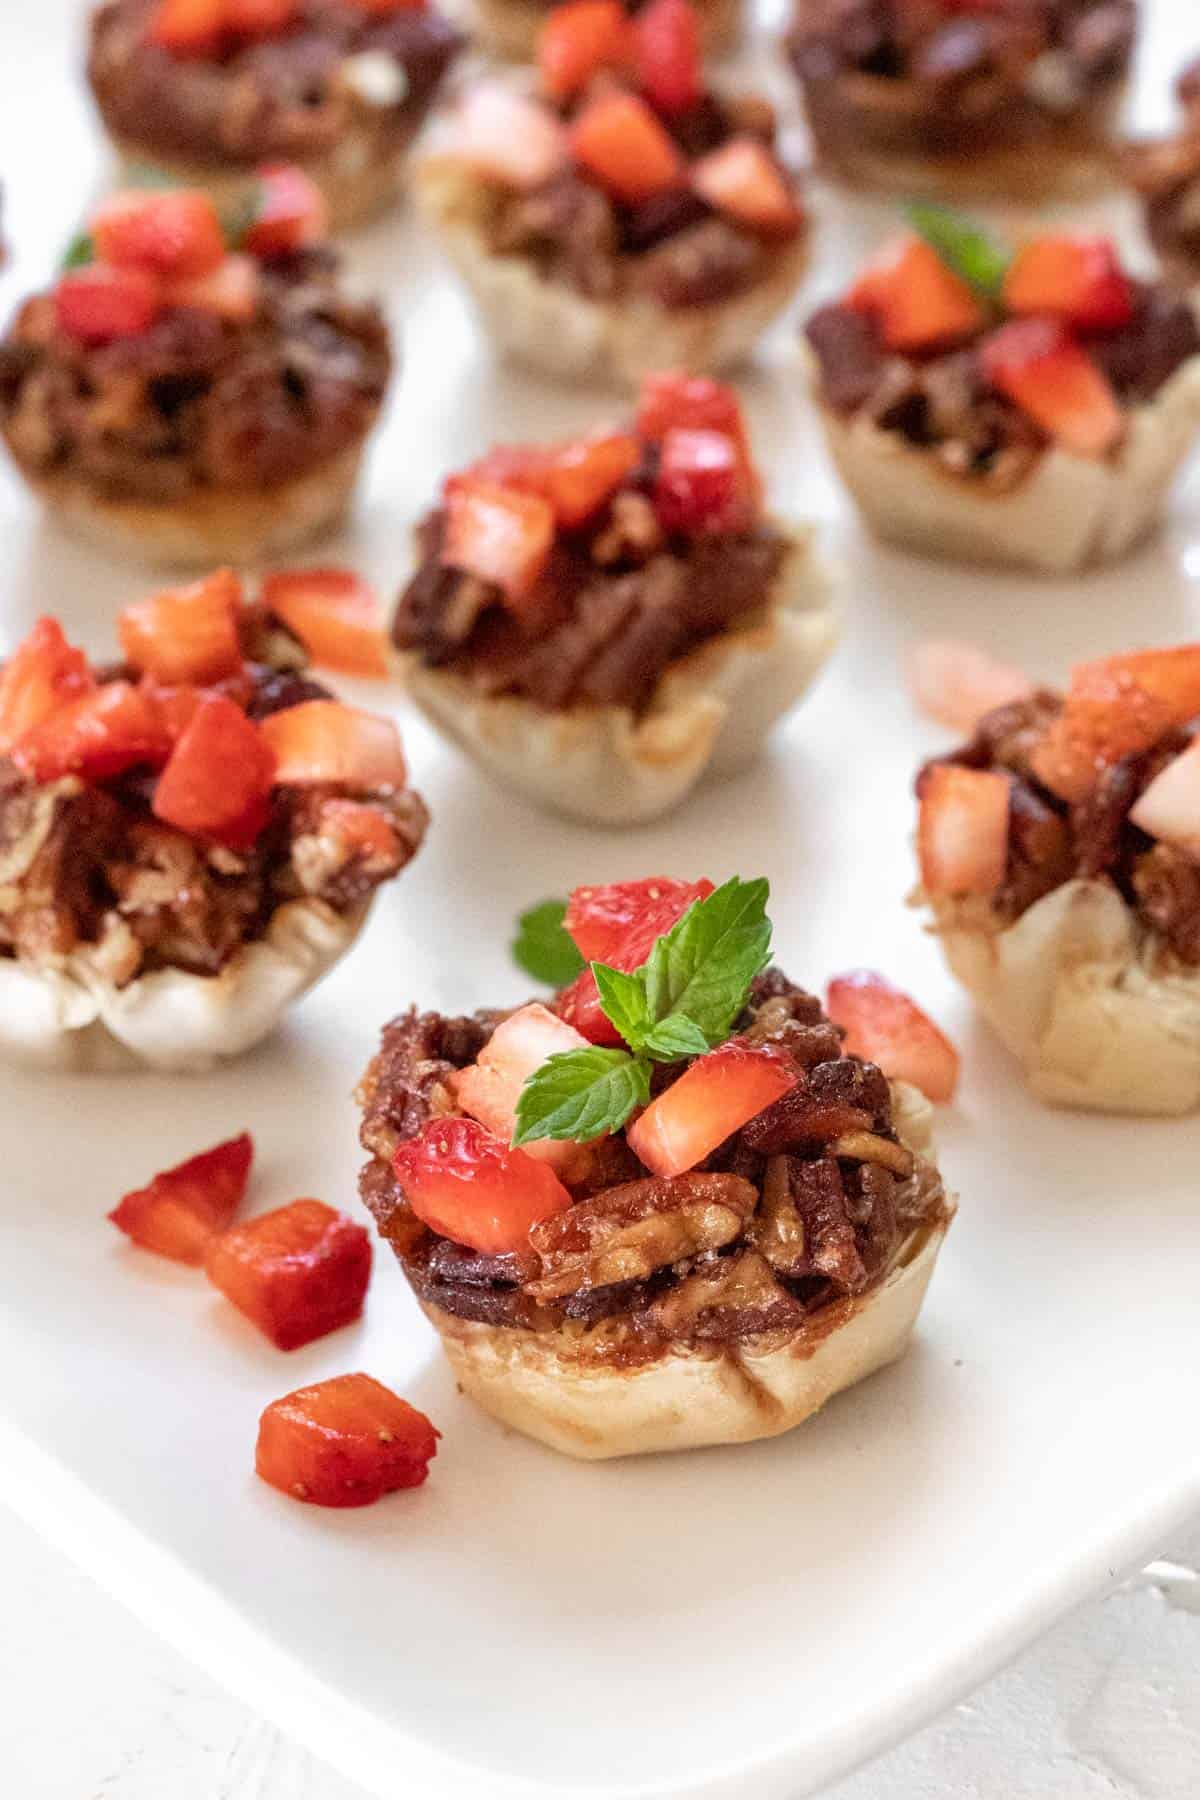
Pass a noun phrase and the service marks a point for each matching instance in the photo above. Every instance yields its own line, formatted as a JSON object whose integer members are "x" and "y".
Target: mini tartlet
{"x": 181, "y": 402}
{"x": 210, "y": 89}
{"x": 1060, "y": 855}
{"x": 188, "y": 840}
{"x": 1030, "y": 409}
{"x": 626, "y": 219}
{"x": 512, "y": 28}
{"x": 965, "y": 98}
{"x": 1166, "y": 174}
{"x": 626, "y": 1249}
{"x": 601, "y": 623}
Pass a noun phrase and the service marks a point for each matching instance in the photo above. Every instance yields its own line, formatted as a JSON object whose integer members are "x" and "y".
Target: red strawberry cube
{"x": 690, "y": 402}
{"x": 297, "y": 1273}
{"x": 96, "y": 305}
{"x": 218, "y": 779}
{"x": 621, "y": 144}
{"x": 344, "y": 1442}
{"x": 43, "y": 673}
{"x": 962, "y": 833}
{"x": 578, "y": 40}
{"x": 1116, "y": 707}
{"x": 491, "y": 1087}
{"x": 744, "y": 180}
{"x": 583, "y": 475}
{"x": 667, "y": 56}
{"x": 884, "y": 1026}
{"x": 98, "y": 735}
{"x": 292, "y": 213}
{"x": 702, "y": 485}
{"x": 259, "y": 18}
{"x": 172, "y": 232}
{"x": 917, "y": 302}
{"x": 186, "y": 634}
{"x": 956, "y": 684}
{"x": 1077, "y": 279}
{"x": 188, "y": 27}
{"x": 231, "y": 291}
{"x": 469, "y": 1185}
{"x": 335, "y": 614}
{"x": 323, "y": 741}
{"x": 1055, "y": 382}
{"x": 184, "y": 1208}
{"x": 508, "y": 138}
{"x": 618, "y": 924}
{"x": 499, "y": 534}
{"x": 715, "y": 1097}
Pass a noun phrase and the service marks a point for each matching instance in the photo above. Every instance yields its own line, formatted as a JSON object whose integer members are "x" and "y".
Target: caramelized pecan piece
{"x": 625, "y": 1233}
{"x": 819, "y": 1196}
{"x": 802, "y": 1117}
{"x": 777, "y": 1230}
{"x": 732, "y": 1297}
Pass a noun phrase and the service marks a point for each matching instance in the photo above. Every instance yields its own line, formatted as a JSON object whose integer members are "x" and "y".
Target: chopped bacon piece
{"x": 702, "y": 485}
{"x": 578, "y": 40}
{"x": 103, "y": 731}
{"x": 166, "y": 232}
{"x": 344, "y": 1442}
{"x": 917, "y": 301}
{"x": 324, "y": 741}
{"x": 508, "y": 138}
{"x": 490, "y": 1088}
{"x": 1117, "y": 706}
{"x": 186, "y": 634}
{"x": 297, "y": 1273}
{"x": 667, "y": 56}
{"x": 1054, "y": 380}
{"x": 96, "y": 305}
{"x": 715, "y": 1097}
{"x": 956, "y": 683}
{"x": 884, "y": 1026}
{"x": 469, "y": 1185}
{"x": 618, "y": 924}
{"x": 188, "y": 27}
{"x": 744, "y": 180}
{"x": 292, "y": 213}
{"x": 500, "y": 534}
{"x": 184, "y": 1208}
{"x": 43, "y": 673}
{"x": 230, "y": 291}
{"x": 621, "y": 143}
{"x": 217, "y": 783}
{"x": 1077, "y": 279}
{"x": 335, "y": 614}
{"x": 1170, "y": 807}
{"x": 962, "y": 833}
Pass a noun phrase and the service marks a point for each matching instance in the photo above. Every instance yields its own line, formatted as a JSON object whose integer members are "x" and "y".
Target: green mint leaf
{"x": 962, "y": 246}
{"x": 79, "y": 252}
{"x": 241, "y": 214}
{"x": 704, "y": 965}
{"x": 674, "y": 1038}
{"x": 581, "y": 1094}
{"x": 147, "y": 175}
{"x": 542, "y": 948}
{"x": 623, "y": 999}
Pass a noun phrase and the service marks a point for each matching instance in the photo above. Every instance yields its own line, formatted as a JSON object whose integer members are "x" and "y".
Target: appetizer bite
{"x": 965, "y": 97}
{"x": 188, "y": 840}
{"x": 513, "y": 28}
{"x": 1029, "y": 409}
{"x": 626, "y": 218}
{"x": 1167, "y": 176}
{"x": 599, "y": 623}
{"x": 208, "y": 90}
{"x": 185, "y": 400}
{"x": 667, "y": 1210}
{"x": 1060, "y": 855}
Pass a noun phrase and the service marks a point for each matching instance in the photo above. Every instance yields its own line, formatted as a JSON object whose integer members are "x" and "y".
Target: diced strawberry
{"x": 1077, "y": 279}
{"x": 520, "y": 466}
{"x": 618, "y": 924}
{"x": 508, "y": 138}
{"x": 96, "y": 305}
{"x": 667, "y": 56}
{"x": 1116, "y": 707}
{"x": 230, "y": 291}
{"x": 184, "y": 1208}
{"x": 673, "y": 400}
{"x": 383, "y": 9}
{"x": 43, "y": 673}
{"x": 490, "y": 1088}
{"x": 218, "y": 779}
{"x": 744, "y": 180}
{"x": 344, "y": 1442}
{"x": 166, "y": 232}
{"x": 186, "y": 634}
{"x": 884, "y": 1026}
{"x": 103, "y": 731}
{"x": 1170, "y": 676}
{"x": 579, "y": 1005}
{"x": 962, "y": 834}
{"x": 1169, "y": 808}
{"x": 176, "y": 706}
{"x": 918, "y": 302}
{"x": 702, "y": 486}
{"x": 324, "y": 741}
{"x": 578, "y": 40}
{"x": 188, "y": 27}
{"x": 297, "y": 1273}
{"x": 1054, "y": 380}
{"x": 581, "y": 476}
{"x": 469, "y": 1185}
{"x": 715, "y": 1097}
{"x": 292, "y": 212}
{"x": 258, "y": 18}
{"x": 956, "y": 684}
{"x": 622, "y": 145}
{"x": 500, "y": 534}
{"x": 335, "y": 614}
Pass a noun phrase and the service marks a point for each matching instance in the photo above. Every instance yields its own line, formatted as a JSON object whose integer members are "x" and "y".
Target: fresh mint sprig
{"x": 542, "y": 947}
{"x": 680, "y": 1003}
{"x": 966, "y": 249}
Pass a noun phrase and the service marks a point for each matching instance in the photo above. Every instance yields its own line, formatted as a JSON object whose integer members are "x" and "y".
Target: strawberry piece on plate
{"x": 702, "y": 485}
{"x": 1116, "y": 707}
{"x": 104, "y": 731}
{"x": 184, "y": 1208}
{"x": 230, "y": 291}
{"x": 500, "y": 534}
{"x": 490, "y": 1088}
{"x": 582, "y": 475}
{"x": 667, "y": 56}
{"x": 186, "y": 634}
{"x": 744, "y": 180}
{"x": 297, "y": 1273}
{"x": 335, "y": 614}
{"x": 508, "y": 138}
{"x": 292, "y": 212}
{"x": 1055, "y": 382}
{"x": 1169, "y": 809}
{"x": 43, "y": 673}
{"x": 469, "y": 1185}
{"x": 962, "y": 832}
{"x": 218, "y": 780}
{"x": 1077, "y": 279}
{"x": 918, "y": 303}
{"x": 169, "y": 233}
{"x": 622, "y": 145}
{"x": 188, "y": 27}
{"x": 324, "y": 741}
{"x": 618, "y": 924}
{"x": 956, "y": 684}
{"x": 884, "y": 1026}
{"x": 715, "y": 1097}
{"x": 344, "y": 1442}
{"x": 97, "y": 305}
{"x": 578, "y": 40}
